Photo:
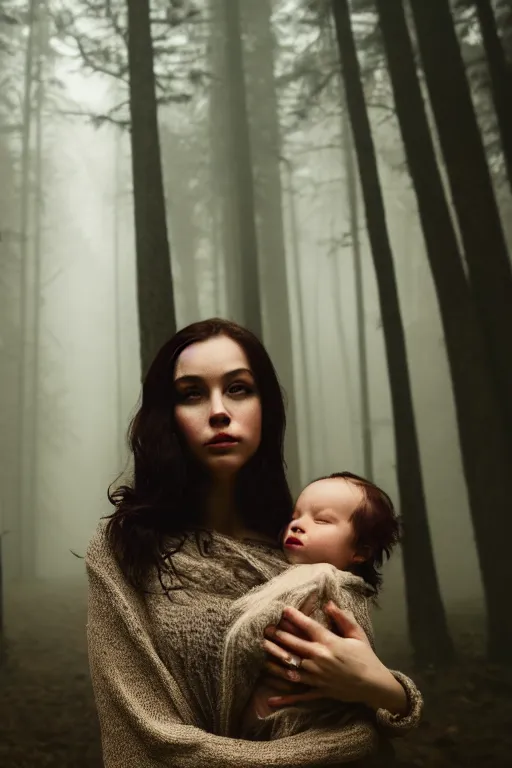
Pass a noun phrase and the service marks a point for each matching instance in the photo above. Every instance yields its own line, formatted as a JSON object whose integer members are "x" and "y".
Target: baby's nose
{"x": 296, "y": 527}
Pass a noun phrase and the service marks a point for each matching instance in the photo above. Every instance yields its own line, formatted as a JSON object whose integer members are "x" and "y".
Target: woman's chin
{"x": 225, "y": 464}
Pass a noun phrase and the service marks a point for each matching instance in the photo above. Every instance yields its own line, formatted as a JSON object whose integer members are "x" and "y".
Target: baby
{"x": 344, "y": 520}
{"x": 348, "y": 524}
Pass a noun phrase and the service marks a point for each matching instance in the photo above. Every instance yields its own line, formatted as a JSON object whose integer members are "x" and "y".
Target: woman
{"x": 196, "y": 528}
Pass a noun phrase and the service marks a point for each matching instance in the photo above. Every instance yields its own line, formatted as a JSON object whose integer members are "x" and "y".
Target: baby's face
{"x": 320, "y": 530}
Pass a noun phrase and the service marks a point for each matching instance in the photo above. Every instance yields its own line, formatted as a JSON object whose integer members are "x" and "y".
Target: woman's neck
{"x": 220, "y": 513}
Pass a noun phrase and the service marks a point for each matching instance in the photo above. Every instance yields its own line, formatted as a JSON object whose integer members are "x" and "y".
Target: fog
{"x": 79, "y": 441}
{"x": 85, "y": 206}
{"x": 88, "y": 365}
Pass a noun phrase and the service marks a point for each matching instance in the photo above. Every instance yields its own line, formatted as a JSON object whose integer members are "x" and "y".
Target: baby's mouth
{"x": 292, "y": 542}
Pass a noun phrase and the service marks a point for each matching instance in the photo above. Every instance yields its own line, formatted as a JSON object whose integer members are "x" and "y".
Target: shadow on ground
{"x": 48, "y": 720}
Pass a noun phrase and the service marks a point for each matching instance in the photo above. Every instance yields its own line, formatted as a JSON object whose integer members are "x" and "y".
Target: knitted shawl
{"x": 156, "y": 661}
{"x": 243, "y": 657}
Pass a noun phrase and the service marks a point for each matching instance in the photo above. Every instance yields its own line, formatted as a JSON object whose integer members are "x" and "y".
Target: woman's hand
{"x": 277, "y": 681}
{"x": 341, "y": 668}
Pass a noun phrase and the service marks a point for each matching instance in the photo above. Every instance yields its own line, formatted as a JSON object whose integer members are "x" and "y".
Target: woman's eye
{"x": 190, "y": 394}
{"x": 239, "y": 389}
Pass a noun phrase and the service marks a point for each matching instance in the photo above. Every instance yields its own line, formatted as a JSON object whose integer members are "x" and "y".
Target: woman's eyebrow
{"x": 194, "y": 379}
{"x": 237, "y": 372}
{"x": 188, "y": 379}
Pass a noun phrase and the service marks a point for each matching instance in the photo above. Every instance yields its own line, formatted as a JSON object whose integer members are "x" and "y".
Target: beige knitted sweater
{"x": 156, "y": 661}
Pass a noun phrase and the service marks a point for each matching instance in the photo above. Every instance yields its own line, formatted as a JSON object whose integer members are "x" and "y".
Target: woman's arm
{"x": 142, "y": 712}
{"x": 343, "y": 668}
{"x": 388, "y": 694}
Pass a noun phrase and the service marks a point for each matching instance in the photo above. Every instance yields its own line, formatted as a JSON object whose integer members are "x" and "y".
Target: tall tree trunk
{"x": 33, "y": 447}
{"x": 266, "y": 156}
{"x": 226, "y": 256}
{"x": 241, "y": 164}
{"x": 353, "y": 208}
{"x": 121, "y": 428}
{"x": 2, "y": 534}
{"x": 484, "y": 448}
{"x": 427, "y": 621}
{"x": 471, "y": 186}
{"x": 501, "y": 78}
{"x": 1, "y": 595}
{"x": 157, "y": 316}
{"x": 179, "y": 159}
{"x": 352, "y": 203}
{"x": 26, "y": 526}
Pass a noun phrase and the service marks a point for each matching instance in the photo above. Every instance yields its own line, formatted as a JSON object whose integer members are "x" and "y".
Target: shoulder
{"x": 104, "y": 573}
{"x": 98, "y": 550}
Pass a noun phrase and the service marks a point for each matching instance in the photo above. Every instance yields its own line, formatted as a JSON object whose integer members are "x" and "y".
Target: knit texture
{"x": 243, "y": 656}
{"x": 156, "y": 665}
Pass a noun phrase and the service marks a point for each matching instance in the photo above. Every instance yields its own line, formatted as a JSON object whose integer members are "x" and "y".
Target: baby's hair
{"x": 376, "y": 527}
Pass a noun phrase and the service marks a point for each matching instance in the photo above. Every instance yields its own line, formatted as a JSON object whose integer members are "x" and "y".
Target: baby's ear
{"x": 362, "y": 554}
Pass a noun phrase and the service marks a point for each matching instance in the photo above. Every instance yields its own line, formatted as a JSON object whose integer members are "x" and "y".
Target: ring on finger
{"x": 294, "y": 662}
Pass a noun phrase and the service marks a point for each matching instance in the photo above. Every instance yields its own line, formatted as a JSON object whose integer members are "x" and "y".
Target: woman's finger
{"x": 307, "y": 608}
{"x": 302, "y": 679}
{"x": 281, "y": 654}
{"x": 312, "y": 629}
{"x": 282, "y": 686}
{"x": 287, "y": 643}
{"x": 294, "y": 698}
{"x": 276, "y": 670}
{"x": 287, "y": 626}
{"x": 345, "y": 623}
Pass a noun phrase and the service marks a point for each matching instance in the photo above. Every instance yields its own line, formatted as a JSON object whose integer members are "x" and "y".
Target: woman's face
{"x": 218, "y": 408}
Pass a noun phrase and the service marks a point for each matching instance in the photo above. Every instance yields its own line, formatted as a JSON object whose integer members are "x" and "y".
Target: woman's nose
{"x": 218, "y": 412}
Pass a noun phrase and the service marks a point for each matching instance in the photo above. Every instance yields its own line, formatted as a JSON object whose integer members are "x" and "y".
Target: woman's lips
{"x": 222, "y": 440}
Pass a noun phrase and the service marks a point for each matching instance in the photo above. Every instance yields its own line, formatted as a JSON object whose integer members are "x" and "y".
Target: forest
{"x": 336, "y": 175}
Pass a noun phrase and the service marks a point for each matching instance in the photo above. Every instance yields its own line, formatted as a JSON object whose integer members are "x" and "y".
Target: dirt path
{"x": 47, "y": 716}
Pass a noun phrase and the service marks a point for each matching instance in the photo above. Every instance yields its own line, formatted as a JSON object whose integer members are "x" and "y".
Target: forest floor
{"x": 47, "y": 716}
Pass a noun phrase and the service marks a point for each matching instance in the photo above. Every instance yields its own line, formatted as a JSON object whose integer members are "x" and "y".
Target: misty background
{"x": 271, "y": 215}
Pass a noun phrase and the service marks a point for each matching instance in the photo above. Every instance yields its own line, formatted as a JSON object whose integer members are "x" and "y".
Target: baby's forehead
{"x": 331, "y": 491}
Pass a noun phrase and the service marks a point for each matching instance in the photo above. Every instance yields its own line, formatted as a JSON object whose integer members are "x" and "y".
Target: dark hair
{"x": 162, "y": 498}
{"x": 376, "y": 526}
